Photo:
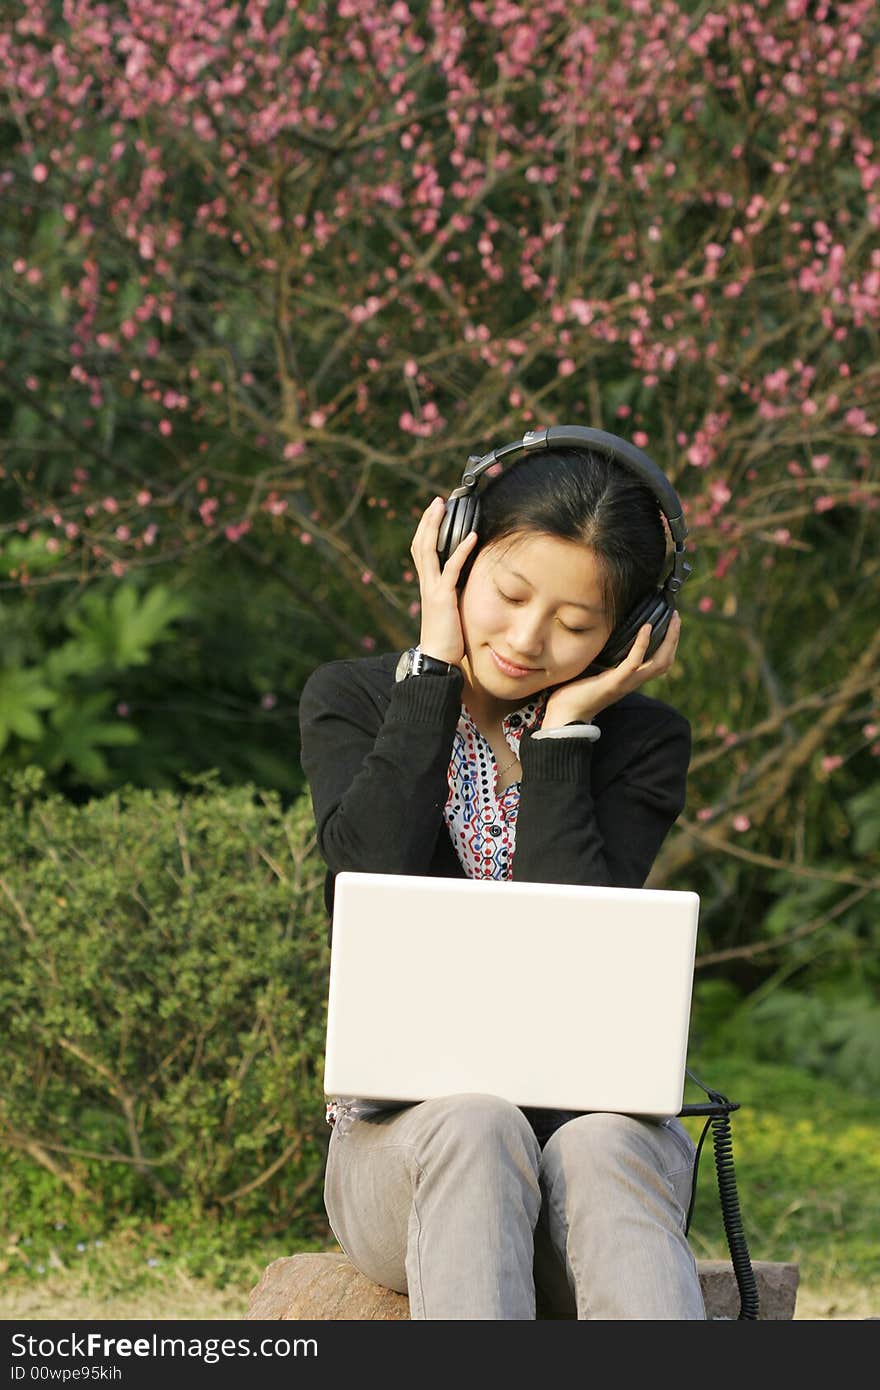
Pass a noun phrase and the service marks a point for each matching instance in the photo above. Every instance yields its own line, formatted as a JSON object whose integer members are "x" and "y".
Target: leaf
{"x": 119, "y": 630}
{"x": 22, "y": 693}
{"x": 73, "y": 658}
{"x": 79, "y": 731}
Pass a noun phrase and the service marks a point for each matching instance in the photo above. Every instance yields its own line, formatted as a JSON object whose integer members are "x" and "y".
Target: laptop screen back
{"x": 566, "y": 997}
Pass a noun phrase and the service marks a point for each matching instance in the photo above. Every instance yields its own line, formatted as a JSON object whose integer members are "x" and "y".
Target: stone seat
{"x": 326, "y": 1286}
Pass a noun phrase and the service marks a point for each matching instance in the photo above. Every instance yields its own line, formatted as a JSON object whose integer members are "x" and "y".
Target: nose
{"x": 526, "y": 634}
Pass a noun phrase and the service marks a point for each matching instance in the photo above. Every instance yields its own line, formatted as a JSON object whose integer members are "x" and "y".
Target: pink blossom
{"x": 857, "y": 420}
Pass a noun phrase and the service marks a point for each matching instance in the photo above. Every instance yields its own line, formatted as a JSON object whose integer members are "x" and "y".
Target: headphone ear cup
{"x": 460, "y": 518}
{"x": 655, "y": 610}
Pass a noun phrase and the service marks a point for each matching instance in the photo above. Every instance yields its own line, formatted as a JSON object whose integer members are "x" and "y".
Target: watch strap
{"x": 418, "y": 663}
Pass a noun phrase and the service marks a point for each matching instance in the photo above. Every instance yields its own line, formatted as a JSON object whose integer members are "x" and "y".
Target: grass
{"x": 807, "y": 1163}
{"x": 807, "y": 1160}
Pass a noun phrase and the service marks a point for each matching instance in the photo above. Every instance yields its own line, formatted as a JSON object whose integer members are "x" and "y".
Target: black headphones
{"x": 463, "y": 509}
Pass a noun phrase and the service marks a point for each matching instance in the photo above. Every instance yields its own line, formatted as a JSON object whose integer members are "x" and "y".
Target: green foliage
{"x": 76, "y": 678}
{"x": 118, "y": 630}
{"x": 806, "y": 1155}
{"x": 829, "y": 1032}
{"x": 22, "y": 695}
{"x": 865, "y": 812}
{"x": 162, "y": 988}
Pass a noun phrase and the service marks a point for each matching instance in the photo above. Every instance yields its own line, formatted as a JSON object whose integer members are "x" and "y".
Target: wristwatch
{"x": 414, "y": 662}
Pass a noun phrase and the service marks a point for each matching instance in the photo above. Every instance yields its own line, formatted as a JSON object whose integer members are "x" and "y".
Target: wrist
{"x": 560, "y": 717}
{"x": 576, "y": 729}
{"x": 440, "y": 651}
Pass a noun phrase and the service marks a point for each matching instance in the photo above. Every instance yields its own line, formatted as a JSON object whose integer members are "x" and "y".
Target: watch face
{"x": 403, "y": 666}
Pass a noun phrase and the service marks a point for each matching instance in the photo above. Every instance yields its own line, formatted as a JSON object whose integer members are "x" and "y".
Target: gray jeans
{"x": 454, "y": 1203}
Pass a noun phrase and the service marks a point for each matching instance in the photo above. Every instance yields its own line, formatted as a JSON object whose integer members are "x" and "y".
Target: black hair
{"x": 583, "y": 496}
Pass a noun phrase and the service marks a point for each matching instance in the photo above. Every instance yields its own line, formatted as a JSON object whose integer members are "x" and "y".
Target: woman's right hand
{"x": 441, "y": 635}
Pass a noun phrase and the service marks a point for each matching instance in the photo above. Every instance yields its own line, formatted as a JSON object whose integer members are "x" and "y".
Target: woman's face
{"x": 533, "y": 615}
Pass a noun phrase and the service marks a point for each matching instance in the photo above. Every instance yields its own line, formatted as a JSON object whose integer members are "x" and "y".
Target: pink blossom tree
{"x": 272, "y": 271}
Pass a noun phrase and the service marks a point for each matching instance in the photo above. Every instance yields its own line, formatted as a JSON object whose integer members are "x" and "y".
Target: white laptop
{"x": 549, "y": 995}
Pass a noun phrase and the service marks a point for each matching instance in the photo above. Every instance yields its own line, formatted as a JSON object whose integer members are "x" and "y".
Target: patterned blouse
{"x": 482, "y": 822}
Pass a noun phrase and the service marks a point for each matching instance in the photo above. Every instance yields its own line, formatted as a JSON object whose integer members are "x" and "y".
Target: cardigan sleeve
{"x": 377, "y": 769}
{"x": 582, "y": 823}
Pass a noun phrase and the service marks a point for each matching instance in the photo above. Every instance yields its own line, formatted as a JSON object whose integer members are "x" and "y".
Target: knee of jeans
{"x": 474, "y": 1121}
{"x": 600, "y": 1137}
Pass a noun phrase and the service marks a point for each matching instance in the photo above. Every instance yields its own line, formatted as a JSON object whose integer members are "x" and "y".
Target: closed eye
{"x": 510, "y": 598}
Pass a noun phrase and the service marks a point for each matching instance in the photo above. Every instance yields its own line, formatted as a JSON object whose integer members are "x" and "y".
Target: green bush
{"x": 163, "y": 982}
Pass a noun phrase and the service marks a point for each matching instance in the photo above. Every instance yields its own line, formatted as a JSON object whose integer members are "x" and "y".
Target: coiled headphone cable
{"x": 718, "y": 1109}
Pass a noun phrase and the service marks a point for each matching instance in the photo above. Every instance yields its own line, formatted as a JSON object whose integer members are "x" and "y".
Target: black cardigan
{"x": 376, "y": 755}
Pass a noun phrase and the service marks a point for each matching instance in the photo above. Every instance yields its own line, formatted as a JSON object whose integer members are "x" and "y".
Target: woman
{"x": 501, "y": 747}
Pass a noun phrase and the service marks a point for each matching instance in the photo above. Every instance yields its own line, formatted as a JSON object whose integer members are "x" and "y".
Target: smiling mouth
{"x": 511, "y": 668}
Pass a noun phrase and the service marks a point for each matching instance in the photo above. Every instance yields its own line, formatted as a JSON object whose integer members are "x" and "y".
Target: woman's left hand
{"x": 582, "y": 699}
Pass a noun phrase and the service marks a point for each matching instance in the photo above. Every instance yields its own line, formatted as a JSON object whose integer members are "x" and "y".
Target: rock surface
{"x": 327, "y": 1286}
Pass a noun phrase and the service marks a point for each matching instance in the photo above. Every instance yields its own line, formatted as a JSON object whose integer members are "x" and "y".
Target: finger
{"x": 638, "y": 651}
{"x": 431, "y": 517}
{"x": 456, "y": 562}
{"x": 664, "y": 656}
{"x": 428, "y": 529}
{"x": 667, "y": 649}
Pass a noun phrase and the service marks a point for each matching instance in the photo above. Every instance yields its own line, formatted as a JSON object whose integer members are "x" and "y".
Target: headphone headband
{"x": 581, "y": 437}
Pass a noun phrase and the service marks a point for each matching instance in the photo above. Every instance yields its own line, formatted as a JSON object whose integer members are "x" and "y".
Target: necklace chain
{"x": 499, "y": 771}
